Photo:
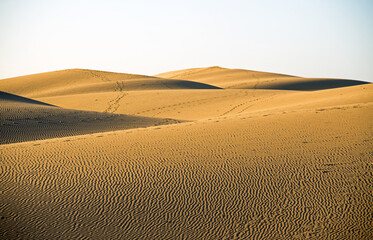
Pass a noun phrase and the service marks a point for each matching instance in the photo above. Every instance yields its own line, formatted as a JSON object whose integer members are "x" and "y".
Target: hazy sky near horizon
{"x": 318, "y": 38}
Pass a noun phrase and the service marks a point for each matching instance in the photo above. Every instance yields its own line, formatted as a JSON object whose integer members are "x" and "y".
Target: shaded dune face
{"x": 311, "y": 84}
{"x": 98, "y": 155}
{"x": 5, "y": 97}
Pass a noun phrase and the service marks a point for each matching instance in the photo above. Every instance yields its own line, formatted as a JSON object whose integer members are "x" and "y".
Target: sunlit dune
{"x": 78, "y": 81}
{"x": 24, "y": 119}
{"x": 246, "y": 79}
{"x": 205, "y": 153}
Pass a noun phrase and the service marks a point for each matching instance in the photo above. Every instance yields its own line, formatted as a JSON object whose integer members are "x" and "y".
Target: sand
{"x": 222, "y": 162}
{"x": 24, "y": 119}
{"x": 241, "y": 79}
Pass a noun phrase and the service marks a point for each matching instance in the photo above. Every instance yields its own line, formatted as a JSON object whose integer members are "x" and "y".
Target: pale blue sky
{"x": 310, "y": 38}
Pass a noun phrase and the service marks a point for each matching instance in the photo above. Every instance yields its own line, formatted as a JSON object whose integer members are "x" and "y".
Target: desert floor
{"x": 205, "y": 153}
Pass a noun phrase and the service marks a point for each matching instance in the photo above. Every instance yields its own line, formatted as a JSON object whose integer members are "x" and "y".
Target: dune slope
{"x": 305, "y": 174}
{"x": 246, "y": 79}
{"x": 24, "y": 119}
{"x": 77, "y": 81}
{"x": 202, "y": 104}
{"x": 15, "y": 98}
{"x": 290, "y": 159}
{"x": 196, "y": 97}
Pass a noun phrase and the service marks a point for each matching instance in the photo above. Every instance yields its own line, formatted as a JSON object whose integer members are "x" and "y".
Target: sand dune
{"x": 246, "y": 79}
{"x": 202, "y": 104}
{"x": 24, "y": 119}
{"x": 180, "y": 104}
{"x": 7, "y": 97}
{"x": 309, "y": 84}
{"x": 248, "y": 177}
{"x": 261, "y": 162}
{"x": 78, "y": 81}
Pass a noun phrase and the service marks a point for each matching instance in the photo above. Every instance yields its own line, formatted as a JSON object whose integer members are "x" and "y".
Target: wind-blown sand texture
{"x": 250, "y": 162}
{"x": 24, "y": 119}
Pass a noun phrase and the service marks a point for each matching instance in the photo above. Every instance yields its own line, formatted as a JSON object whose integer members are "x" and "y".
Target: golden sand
{"x": 208, "y": 153}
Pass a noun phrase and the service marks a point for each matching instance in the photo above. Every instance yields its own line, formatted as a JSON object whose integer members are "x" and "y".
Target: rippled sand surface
{"x": 249, "y": 164}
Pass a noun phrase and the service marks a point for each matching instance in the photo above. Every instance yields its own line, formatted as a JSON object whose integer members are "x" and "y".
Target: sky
{"x": 318, "y": 38}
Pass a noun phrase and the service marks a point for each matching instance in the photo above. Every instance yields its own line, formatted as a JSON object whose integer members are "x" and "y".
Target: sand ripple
{"x": 203, "y": 180}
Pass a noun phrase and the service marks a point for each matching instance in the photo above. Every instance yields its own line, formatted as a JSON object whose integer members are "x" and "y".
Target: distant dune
{"x": 245, "y": 79}
{"x": 77, "y": 81}
{"x": 98, "y": 155}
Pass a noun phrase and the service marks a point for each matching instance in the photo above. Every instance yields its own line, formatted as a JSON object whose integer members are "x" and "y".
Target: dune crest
{"x": 77, "y": 81}
{"x": 247, "y": 79}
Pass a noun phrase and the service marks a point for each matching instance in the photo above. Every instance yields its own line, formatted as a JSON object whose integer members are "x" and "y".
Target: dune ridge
{"x": 77, "y": 81}
{"x": 247, "y": 79}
